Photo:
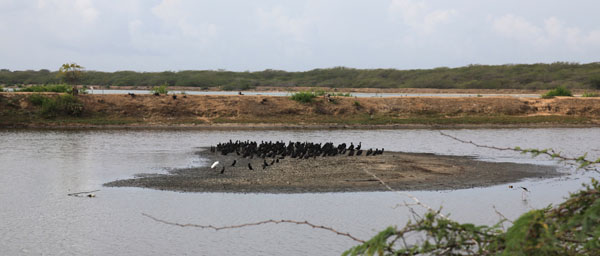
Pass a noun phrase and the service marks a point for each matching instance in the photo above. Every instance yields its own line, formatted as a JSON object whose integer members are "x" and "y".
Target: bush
{"x": 66, "y": 104}
{"x": 595, "y": 82}
{"x": 304, "y": 97}
{"x": 590, "y": 94}
{"x": 37, "y": 99}
{"x": 160, "y": 89}
{"x": 558, "y": 91}
{"x": 48, "y": 88}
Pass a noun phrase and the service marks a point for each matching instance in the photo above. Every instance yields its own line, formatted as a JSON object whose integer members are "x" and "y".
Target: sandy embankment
{"x": 401, "y": 171}
{"x": 272, "y": 111}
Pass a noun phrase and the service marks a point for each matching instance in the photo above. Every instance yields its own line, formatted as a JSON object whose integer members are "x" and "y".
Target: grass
{"x": 590, "y": 94}
{"x": 558, "y": 91}
{"x": 65, "y": 104}
{"x": 308, "y": 96}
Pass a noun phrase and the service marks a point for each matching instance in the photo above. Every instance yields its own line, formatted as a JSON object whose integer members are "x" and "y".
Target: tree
{"x": 71, "y": 73}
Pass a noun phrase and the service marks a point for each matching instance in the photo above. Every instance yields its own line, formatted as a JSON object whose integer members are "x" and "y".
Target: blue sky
{"x": 239, "y": 35}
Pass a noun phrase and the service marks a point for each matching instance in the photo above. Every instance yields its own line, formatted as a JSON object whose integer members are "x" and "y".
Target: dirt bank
{"x": 16, "y": 109}
{"x": 401, "y": 171}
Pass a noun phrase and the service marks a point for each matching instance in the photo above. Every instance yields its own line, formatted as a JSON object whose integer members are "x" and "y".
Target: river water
{"x": 38, "y": 168}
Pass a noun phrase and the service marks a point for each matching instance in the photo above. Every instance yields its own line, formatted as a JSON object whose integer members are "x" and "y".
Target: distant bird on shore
{"x": 234, "y": 161}
{"x": 359, "y": 145}
{"x": 250, "y": 166}
{"x": 223, "y": 169}
{"x": 524, "y": 188}
{"x": 214, "y": 164}
{"x": 359, "y": 152}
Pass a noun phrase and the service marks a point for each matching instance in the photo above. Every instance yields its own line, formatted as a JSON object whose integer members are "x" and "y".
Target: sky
{"x": 242, "y": 35}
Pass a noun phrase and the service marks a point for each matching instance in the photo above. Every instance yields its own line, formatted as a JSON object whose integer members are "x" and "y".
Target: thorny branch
{"x": 582, "y": 161}
{"x": 414, "y": 198}
{"x": 255, "y": 224}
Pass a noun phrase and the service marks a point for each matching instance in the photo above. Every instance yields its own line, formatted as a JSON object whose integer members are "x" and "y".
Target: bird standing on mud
{"x": 234, "y": 161}
{"x": 250, "y": 166}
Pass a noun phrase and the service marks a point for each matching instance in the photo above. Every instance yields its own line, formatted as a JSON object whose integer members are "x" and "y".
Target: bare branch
{"x": 501, "y": 215}
{"x": 414, "y": 198}
{"x": 255, "y": 224}
{"x": 582, "y": 161}
{"x": 84, "y": 192}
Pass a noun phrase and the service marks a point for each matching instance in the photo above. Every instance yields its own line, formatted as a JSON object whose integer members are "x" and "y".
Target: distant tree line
{"x": 521, "y": 76}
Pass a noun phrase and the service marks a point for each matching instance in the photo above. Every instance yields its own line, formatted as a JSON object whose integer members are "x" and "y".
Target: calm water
{"x": 38, "y": 168}
{"x": 360, "y": 95}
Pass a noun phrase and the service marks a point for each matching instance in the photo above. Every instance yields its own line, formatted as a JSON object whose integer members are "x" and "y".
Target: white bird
{"x": 214, "y": 164}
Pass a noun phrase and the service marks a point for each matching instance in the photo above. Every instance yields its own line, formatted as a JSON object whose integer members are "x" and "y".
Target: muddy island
{"x": 335, "y": 173}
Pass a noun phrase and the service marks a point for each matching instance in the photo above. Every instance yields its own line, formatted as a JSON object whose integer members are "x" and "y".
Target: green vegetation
{"x": 71, "y": 73}
{"x": 535, "y": 76}
{"x": 47, "y": 88}
{"x": 62, "y": 105}
{"x": 570, "y": 228}
{"x": 590, "y": 94}
{"x": 304, "y": 97}
{"x": 160, "y": 89}
{"x": 558, "y": 91}
{"x": 1, "y": 88}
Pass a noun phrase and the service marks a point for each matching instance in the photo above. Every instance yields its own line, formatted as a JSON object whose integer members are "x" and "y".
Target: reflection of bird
{"x": 234, "y": 161}
{"x": 214, "y": 164}
{"x": 223, "y": 169}
{"x": 250, "y": 166}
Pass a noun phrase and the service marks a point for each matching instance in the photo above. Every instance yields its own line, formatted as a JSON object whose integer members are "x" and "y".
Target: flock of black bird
{"x": 279, "y": 150}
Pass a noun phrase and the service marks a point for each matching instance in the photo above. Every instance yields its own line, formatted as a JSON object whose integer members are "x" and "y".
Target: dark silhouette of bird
{"x": 234, "y": 161}
{"x": 369, "y": 152}
{"x": 223, "y": 169}
{"x": 359, "y": 152}
{"x": 524, "y": 188}
{"x": 351, "y": 153}
{"x": 265, "y": 164}
{"x": 174, "y": 97}
{"x": 359, "y": 145}
{"x": 250, "y": 166}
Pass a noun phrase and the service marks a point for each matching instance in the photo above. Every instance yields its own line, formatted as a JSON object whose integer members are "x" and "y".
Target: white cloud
{"x": 554, "y": 33}
{"x": 78, "y": 10}
{"x": 418, "y": 15}
{"x": 176, "y": 15}
{"x": 275, "y": 19}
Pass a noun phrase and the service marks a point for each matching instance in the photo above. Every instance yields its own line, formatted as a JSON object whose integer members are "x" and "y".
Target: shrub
{"x": 62, "y": 105}
{"x": 1, "y": 88}
{"x": 304, "y": 97}
{"x": 160, "y": 89}
{"x": 595, "y": 82}
{"x": 341, "y": 94}
{"x": 37, "y": 99}
{"x": 558, "y": 91}
{"x": 48, "y": 88}
{"x": 590, "y": 94}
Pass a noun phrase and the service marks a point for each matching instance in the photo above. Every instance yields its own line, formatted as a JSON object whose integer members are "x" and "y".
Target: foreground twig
{"x": 582, "y": 160}
{"x": 84, "y": 192}
{"x": 255, "y": 224}
{"x": 414, "y": 198}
